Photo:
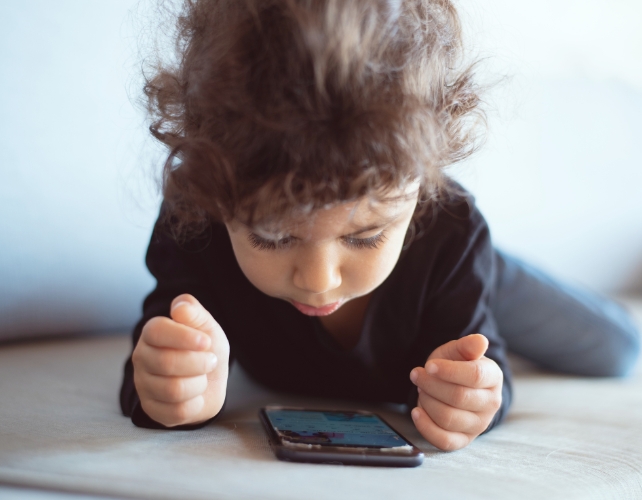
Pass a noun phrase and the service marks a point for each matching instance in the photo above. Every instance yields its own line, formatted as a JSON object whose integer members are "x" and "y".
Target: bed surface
{"x": 61, "y": 432}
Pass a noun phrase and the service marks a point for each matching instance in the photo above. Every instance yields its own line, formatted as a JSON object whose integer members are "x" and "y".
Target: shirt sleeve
{"x": 178, "y": 269}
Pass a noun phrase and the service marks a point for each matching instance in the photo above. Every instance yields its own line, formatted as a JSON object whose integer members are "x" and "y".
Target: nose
{"x": 317, "y": 270}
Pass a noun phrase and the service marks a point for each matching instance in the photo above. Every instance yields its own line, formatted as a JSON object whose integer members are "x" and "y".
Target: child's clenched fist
{"x": 460, "y": 391}
{"x": 181, "y": 365}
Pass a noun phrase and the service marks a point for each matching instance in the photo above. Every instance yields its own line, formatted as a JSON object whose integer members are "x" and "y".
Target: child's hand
{"x": 460, "y": 391}
{"x": 181, "y": 365}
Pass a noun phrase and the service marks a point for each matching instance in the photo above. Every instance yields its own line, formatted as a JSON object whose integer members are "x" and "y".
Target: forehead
{"x": 341, "y": 218}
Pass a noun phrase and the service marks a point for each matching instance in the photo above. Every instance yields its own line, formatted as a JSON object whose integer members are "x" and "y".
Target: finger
{"x": 173, "y": 362}
{"x": 188, "y": 311}
{"x": 171, "y": 414}
{"x": 435, "y": 435}
{"x": 456, "y": 395}
{"x": 464, "y": 349}
{"x": 450, "y": 418}
{"x": 479, "y": 374}
{"x": 163, "y": 332}
{"x": 170, "y": 389}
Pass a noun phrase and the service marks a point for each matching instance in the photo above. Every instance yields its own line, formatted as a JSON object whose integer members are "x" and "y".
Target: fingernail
{"x": 415, "y": 413}
{"x": 211, "y": 361}
{"x": 178, "y": 304}
{"x": 414, "y": 376}
{"x": 432, "y": 368}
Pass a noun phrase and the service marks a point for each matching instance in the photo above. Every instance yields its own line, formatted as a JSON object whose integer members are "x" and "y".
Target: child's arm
{"x": 181, "y": 365}
{"x": 179, "y": 269}
{"x": 460, "y": 391}
{"x": 461, "y": 287}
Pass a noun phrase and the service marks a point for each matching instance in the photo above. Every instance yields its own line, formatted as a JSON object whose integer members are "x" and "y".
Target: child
{"x": 309, "y": 232}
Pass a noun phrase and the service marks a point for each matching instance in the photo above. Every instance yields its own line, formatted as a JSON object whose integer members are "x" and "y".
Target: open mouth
{"x": 317, "y": 311}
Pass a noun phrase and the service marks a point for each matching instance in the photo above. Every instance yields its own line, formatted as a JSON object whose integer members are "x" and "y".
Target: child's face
{"x": 329, "y": 257}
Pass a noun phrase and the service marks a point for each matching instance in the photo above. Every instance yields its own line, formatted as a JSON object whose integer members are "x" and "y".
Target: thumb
{"x": 188, "y": 311}
{"x": 468, "y": 348}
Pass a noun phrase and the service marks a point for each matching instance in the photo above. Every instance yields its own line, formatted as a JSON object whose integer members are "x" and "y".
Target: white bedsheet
{"x": 61, "y": 430}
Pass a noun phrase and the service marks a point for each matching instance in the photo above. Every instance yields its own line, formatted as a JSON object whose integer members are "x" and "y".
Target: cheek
{"x": 261, "y": 268}
{"x": 370, "y": 269}
{"x": 264, "y": 273}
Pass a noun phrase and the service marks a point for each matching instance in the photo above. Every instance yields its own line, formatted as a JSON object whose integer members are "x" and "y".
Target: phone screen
{"x": 333, "y": 428}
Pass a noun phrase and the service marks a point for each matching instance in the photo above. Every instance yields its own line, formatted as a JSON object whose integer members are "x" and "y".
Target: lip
{"x": 317, "y": 311}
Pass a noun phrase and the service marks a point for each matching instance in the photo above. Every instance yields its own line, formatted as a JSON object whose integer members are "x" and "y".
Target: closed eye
{"x": 361, "y": 243}
{"x": 261, "y": 243}
{"x": 265, "y": 244}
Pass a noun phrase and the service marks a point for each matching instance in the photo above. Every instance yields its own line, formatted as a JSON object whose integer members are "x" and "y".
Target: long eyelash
{"x": 372, "y": 242}
{"x": 359, "y": 243}
{"x": 264, "y": 244}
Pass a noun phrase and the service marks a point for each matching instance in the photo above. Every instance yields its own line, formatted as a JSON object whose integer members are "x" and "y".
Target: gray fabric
{"x": 61, "y": 429}
{"x": 25, "y": 493}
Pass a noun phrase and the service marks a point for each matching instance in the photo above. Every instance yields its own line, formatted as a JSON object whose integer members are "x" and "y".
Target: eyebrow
{"x": 372, "y": 227}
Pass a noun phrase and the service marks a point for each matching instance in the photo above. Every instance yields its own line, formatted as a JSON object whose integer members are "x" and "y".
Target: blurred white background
{"x": 560, "y": 177}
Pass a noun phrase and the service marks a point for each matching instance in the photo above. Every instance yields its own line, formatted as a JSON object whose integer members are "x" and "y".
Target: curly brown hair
{"x": 282, "y": 105}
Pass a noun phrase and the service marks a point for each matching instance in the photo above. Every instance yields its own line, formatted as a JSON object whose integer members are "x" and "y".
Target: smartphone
{"x": 336, "y": 437}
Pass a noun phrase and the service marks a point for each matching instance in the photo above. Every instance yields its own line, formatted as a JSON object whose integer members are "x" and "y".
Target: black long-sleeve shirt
{"x": 439, "y": 291}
